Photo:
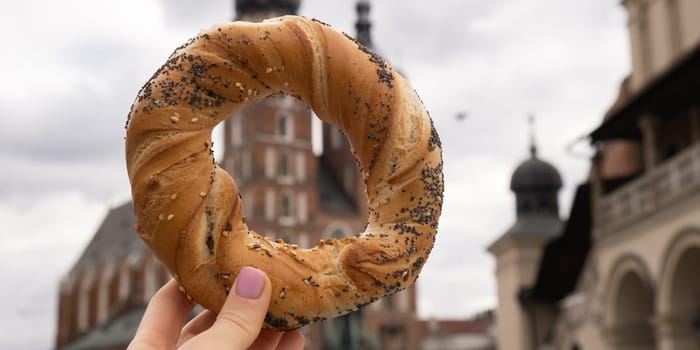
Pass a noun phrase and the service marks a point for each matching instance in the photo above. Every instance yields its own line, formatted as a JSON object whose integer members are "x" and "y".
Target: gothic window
{"x": 285, "y": 205}
{"x": 284, "y": 164}
{"x": 284, "y": 127}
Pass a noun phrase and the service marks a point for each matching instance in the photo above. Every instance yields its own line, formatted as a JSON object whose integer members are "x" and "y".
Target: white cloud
{"x": 40, "y": 241}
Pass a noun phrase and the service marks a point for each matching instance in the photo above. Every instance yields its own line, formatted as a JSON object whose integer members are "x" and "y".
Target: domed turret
{"x": 536, "y": 184}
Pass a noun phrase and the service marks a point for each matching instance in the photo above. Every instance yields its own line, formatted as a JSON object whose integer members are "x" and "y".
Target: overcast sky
{"x": 70, "y": 70}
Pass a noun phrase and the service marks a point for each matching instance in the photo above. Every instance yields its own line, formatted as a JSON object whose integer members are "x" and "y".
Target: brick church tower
{"x": 289, "y": 192}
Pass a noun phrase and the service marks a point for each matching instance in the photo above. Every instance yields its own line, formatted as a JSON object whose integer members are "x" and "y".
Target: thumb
{"x": 240, "y": 320}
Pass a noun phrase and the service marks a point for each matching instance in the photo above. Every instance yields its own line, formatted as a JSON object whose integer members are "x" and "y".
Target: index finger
{"x": 161, "y": 323}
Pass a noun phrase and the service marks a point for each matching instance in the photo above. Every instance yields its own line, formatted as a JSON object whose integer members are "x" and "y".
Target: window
{"x": 284, "y": 127}
{"x": 286, "y": 205}
{"x": 284, "y": 164}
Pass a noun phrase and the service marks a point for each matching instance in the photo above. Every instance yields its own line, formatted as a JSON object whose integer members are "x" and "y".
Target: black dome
{"x": 535, "y": 174}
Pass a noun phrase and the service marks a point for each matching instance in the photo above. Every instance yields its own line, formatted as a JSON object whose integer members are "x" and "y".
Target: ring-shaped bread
{"x": 189, "y": 211}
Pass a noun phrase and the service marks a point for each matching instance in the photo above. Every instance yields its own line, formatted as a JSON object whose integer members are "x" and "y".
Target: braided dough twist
{"x": 189, "y": 211}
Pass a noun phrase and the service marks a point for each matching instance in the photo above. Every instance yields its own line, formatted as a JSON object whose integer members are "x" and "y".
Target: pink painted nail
{"x": 250, "y": 283}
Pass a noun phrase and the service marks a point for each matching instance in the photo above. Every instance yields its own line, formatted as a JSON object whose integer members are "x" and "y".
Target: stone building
{"x": 622, "y": 271}
{"x": 289, "y": 192}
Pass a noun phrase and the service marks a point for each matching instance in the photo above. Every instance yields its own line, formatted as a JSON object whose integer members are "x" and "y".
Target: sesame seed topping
{"x": 194, "y": 120}
{"x": 161, "y": 217}
{"x": 268, "y": 70}
{"x": 225, "y": 234}
{"x": 202, "y": 194}
{"x": 171, "y": 216}
{"x": 174, "y": 119}
{"x": 173, "y": 196}
{"x": 225, "y": 274}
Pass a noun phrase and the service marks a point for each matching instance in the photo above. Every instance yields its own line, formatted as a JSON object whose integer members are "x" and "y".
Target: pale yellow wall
{"x": 635, "y": 24}
{"x": 660, "y": 32}
{"x": 659, "y": 36}
{"x": 690, "y": 23}
{"x": 649, "y": 240}
{"x": 517, "y": 261}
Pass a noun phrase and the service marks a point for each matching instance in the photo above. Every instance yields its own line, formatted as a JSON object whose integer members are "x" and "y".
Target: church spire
{"x": 260, "y": 9}
{"x": 533, "y": 142}
{"x": 363, "y": 24}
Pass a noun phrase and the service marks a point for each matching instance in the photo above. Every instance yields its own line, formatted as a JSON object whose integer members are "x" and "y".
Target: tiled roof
{"x": 116, "y": 237}
{"x": 116, "y": 333}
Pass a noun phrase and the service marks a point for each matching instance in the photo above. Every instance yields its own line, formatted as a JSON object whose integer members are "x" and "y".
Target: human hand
{"x": 237, "y": 326}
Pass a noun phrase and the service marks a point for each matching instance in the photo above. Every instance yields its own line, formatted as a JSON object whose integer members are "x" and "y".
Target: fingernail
{"x": 250, "y": 283}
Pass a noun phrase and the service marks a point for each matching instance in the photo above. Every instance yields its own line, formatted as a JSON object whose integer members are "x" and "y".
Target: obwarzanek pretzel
{"x": 189, "y": 211}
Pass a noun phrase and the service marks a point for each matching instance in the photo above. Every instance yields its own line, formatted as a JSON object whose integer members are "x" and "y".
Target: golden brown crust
{"x": 189, "y": 211}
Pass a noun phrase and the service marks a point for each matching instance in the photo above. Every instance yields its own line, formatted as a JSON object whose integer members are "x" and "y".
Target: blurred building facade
{"x": 623, "y": 272}
{"x": 289, "y": 193}
{"x": 476, "y": 333}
